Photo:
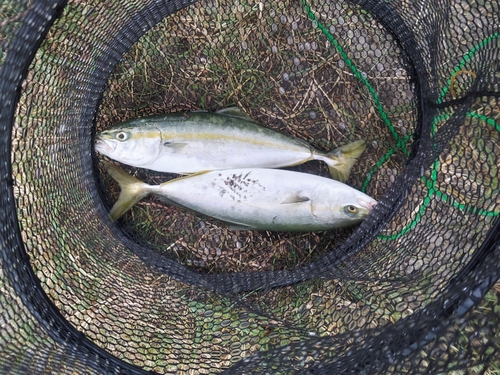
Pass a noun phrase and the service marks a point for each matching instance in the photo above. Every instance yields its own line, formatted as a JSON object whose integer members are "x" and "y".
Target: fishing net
{"x": 410, "y": 290}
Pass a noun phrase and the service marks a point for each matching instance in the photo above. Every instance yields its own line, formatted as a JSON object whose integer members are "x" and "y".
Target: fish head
{"x": 357, "y": 208}
{"x": 135, "y": 146}
{"x": 341, "y": 205}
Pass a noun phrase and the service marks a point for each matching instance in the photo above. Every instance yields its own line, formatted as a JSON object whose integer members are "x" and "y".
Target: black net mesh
{"x": 410, "y": 290}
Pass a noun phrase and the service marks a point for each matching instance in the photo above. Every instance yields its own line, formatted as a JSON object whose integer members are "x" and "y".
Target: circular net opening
{"x": 283, "y": 66}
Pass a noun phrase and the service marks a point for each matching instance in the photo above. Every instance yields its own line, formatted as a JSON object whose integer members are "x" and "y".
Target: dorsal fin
{"x": 184, "y": 176}
{"x": 235, "y": 112}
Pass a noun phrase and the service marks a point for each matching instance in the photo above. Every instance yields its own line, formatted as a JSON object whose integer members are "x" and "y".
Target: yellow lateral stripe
{"x": 179, "y": 137}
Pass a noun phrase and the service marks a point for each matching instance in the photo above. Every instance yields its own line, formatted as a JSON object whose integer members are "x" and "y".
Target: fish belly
{"x": 206, "y": 156}
{"x": 254, "y": 198}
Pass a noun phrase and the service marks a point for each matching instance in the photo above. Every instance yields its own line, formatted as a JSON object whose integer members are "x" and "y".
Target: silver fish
{"x": 254, "y": 198}
{"x": 202, "y": 141}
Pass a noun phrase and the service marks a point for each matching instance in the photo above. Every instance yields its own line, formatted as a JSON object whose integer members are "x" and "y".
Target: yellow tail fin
{"x": 343, "y": 158}
{"x": 132, "y": 190}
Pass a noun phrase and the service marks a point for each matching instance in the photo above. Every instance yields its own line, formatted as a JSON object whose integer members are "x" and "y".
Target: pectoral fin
{"x": 235, "y": 112}
{"x": 295, "y": 198}
{"x": 175, "y": 146}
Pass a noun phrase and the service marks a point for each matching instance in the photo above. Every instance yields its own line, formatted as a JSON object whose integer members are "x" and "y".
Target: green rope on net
{"x": 431, "y": 183}
{"x": 359, "y": 75}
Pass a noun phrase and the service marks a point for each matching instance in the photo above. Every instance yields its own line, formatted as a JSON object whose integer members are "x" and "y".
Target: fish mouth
{"x": 369, "y": 205}
{"x": 104, "y": 147}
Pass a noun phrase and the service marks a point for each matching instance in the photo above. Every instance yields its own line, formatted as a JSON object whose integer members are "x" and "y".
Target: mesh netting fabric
{"x": 410, "y": 290}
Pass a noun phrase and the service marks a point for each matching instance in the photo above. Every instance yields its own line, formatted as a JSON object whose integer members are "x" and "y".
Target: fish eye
{"x": 350, "y": 209}
{"x": 122, "y": 136}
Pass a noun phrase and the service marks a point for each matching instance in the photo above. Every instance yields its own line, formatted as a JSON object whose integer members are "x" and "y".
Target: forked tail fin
{"x": 132, "y": 190}
{"x": 341, "y": 160}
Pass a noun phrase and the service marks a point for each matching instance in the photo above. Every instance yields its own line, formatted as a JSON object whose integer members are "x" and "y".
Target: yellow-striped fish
{"x": 193, "y": 142}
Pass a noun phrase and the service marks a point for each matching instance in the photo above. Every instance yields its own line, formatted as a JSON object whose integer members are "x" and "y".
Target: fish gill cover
{"x": 410, "y": 290}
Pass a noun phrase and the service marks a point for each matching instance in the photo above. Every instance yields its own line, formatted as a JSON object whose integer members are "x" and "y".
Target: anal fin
{"x": 234, "y": 227}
